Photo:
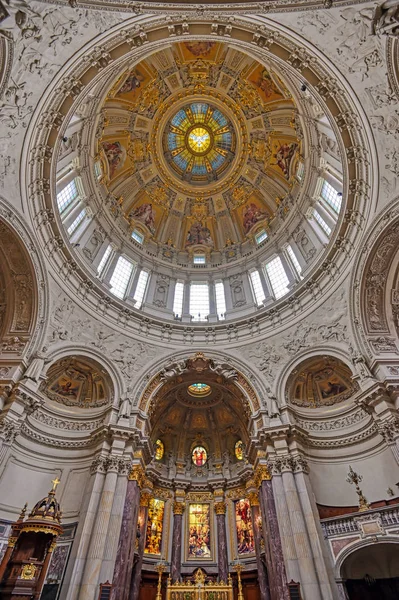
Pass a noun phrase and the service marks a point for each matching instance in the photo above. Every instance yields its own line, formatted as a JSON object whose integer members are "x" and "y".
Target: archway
{"x": 372, "y": 571}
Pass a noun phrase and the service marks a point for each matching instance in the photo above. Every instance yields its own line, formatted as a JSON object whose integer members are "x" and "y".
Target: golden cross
{"x": 55, "y": 482}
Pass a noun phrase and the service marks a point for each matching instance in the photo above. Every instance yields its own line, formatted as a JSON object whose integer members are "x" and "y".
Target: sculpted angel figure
{"x": 173, "y": 370}
{"x": 125, "y": 407}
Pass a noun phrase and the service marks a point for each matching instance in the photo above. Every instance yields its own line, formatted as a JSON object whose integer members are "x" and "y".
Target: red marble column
{"x": 223, "y": 564}
{"x": 175, "y": 567}
{"x": 127, "y": 538}
{"x": 261, "y": 567}
{"x": 273, "y": 547}
{"x": 142, "y": 527}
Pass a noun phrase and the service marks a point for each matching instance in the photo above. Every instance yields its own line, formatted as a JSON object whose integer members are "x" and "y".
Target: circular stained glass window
{"x": 199, "y": 143}
{"x": 159, "y": 450}
{"x": 199, "y": 389}
{"x": 239, "y": 450}
{"x": 199, "y": 456}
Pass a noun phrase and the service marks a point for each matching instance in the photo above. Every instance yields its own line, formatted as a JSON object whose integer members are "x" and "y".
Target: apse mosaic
{"x": 199, "y": 142}
{"x": 199, "y": 531}
{"x": 74, "y": 382}
{"x": 199, "y": 456}
{"x": 153, "y": 537}
{"x": 322, "y": 381}
{"x": 244, "y": 529}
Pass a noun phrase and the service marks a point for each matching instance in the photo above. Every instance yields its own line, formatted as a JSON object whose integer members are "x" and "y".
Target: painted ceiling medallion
{"x": 199, "y": 143}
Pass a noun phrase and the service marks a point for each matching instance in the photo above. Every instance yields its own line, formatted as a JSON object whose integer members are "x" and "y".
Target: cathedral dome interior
{"x": 199, "y": 300}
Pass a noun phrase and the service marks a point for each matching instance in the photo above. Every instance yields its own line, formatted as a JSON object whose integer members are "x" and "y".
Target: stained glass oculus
{"x": 199, "y": 143}
{"x": 199, "y": 389}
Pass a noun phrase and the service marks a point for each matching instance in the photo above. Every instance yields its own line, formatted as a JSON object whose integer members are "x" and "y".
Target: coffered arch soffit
{"x": 273, "y": 40}
{"x": 225, "y": 370}
{"x": 375, "y": 280}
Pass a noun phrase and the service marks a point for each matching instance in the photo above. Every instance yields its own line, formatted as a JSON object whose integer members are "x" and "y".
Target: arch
{"x": 24, "y": 300}
{"x": 79, "y": 350}
{"x": 152, "y": 381}
{"x": 335, "y": 351}
{"x": 372, "y": 278}
{"x": 352, "y": 548}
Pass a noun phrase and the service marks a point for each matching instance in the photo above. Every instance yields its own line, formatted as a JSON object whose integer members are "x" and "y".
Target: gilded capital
{"x": 261, "y": 474}
{"x": 253, "y": 499}
{"x": 220, "y": 508}
{"x": 145, "y": 498}
{"x": 178, "y": 508}
{"x": 137, "y": 474}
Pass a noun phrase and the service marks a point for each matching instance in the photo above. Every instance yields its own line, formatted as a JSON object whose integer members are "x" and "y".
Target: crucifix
{"x": 55, "y": 482}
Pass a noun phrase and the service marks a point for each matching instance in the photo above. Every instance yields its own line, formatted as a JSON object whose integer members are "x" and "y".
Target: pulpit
{"x": 29, "y": 551}
{"x": 198, "y": 588}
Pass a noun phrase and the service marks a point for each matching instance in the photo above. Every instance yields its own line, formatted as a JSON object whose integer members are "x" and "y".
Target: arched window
{"x": 199, "y": 456}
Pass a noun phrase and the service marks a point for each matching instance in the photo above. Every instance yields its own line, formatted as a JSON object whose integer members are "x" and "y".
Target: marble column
{"x": 275, "y": 559}
{"x": 257, "y": 529}
{"x": 127, "y": 537}
{"x": 141, "y": 529}
{"x": 223, "y": 564}
{"x": 91, "y": 574}
{"x": 175, "y": 567}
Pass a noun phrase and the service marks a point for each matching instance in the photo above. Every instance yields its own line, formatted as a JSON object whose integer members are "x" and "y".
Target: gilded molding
{"x": 137, "y": 474}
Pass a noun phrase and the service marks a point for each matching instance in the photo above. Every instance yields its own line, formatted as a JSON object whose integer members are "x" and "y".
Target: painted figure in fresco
{"x": 266, "y": 84}
{"x": 114, "y": 153}
{"x": 245, "y": 536}
{"x": 65, "y": 388}
{"x": 284, "y": 156}
{"x": 199, "y": 48}
{"x": 146, "y": 215}
{"x": 199, "y": 234}
{"x": 133, "y": 82}
{"x": 252, "y": 214}
{"x": 332, "y": 388}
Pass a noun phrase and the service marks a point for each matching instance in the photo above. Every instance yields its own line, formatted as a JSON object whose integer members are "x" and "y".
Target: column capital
{"x": 253, "y": 499}
{"x": 262, "y": 473}
{"x": 389, "y": 430}
{"x": 99, "y": 465}
{"x": 145, "y": 498}
{"x": 178, "y": 508}
{"x": 220, "y": 508}
{"x": 137, "y": 474}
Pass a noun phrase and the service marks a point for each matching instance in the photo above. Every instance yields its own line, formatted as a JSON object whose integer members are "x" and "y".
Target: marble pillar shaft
{"x": 276, "y": 568}
{"x": 261, "y": 567}
{"x": 91, "y": 575}
{"x": 223, "y": 565}
{"x": 175, "y": 567}
{"x": 127, "y": 537}
{"x": 136, "y": 576}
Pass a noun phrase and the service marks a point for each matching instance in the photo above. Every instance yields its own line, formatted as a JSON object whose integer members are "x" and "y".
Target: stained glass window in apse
{"x": 244, "y": 529}
{"x": 239, "y": 450}
{"x": 199, "y": 531}
{"x": 159, "y": 450}
{"x": 199, "y": 456}
{"x": 153, "y": 538}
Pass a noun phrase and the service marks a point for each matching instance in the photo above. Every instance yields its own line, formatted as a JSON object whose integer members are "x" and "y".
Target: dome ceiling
{"x": 199, "y": 145}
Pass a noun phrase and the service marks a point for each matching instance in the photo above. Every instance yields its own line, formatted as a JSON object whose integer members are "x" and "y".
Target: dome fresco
{"x": 201, "y": 156}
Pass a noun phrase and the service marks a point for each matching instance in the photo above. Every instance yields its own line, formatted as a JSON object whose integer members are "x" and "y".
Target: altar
{"x": 197, "y": 588}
